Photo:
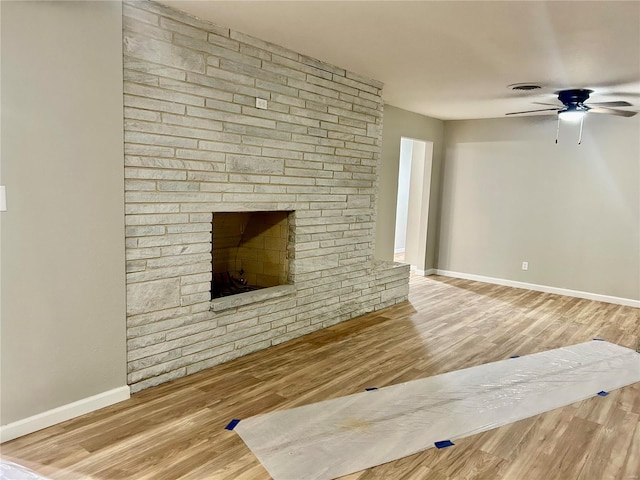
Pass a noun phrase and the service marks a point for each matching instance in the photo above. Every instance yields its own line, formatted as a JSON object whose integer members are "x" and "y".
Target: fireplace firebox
{"x": 249, "y": 251}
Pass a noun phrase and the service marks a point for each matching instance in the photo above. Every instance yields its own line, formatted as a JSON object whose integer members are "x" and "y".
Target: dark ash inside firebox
{"x": 225, "y": 284}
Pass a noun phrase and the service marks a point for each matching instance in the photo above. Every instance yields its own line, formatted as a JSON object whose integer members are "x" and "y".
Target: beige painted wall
{"x": 63, "y": 286}
{"x": 509, "y": 195}
{"x": 400, "y": 123}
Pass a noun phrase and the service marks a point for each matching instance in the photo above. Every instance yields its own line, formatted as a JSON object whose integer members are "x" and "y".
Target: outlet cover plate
{"x": 261, "y": 103}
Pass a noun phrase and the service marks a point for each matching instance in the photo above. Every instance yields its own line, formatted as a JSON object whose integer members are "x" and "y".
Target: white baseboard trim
{"x": 65, "y": 412}
{"x": 541, "y": 288}
{"x": 426, "y": 273}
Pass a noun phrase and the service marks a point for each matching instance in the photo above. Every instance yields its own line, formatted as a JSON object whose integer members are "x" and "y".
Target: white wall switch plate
{"x": 261, "y": 103}
{"x": 525, "y": 265}
{"x": 3, "y": 199}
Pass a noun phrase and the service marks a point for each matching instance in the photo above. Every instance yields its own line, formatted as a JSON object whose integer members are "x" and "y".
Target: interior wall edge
{"x": 399, "y": 123}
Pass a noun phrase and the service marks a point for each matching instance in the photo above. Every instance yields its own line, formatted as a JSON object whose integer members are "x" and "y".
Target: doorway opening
{"x": 412, "y": 209}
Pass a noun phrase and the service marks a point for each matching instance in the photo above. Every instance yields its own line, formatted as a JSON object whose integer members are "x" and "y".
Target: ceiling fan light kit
{"x": 571, "y": 115}
{"x": 574, "y": 109}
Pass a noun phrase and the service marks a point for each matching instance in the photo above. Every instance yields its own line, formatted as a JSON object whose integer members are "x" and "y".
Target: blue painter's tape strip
{"x": 599, "y": 339}
{"x": 232, "y": 424}
{"x": 514, "y": 356}
{"x": 603, "y": 393}
{"x": 370, "y": 389}
{"x": 444, "y": 444}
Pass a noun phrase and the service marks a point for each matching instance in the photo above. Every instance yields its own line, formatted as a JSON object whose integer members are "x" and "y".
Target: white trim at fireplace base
{"x": 538, "y": 288}
{"x": 426, "y": 273}
{"x": 65, "y": 412}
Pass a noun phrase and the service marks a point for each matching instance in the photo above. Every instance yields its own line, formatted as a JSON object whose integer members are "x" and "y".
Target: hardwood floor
{"x": 176, "y": 430}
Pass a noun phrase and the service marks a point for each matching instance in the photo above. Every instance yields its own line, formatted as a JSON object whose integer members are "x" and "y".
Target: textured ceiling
{"x": 454, "y": 60}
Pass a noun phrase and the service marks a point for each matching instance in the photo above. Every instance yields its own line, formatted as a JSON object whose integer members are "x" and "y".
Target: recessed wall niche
{"x": 249, "y": 251}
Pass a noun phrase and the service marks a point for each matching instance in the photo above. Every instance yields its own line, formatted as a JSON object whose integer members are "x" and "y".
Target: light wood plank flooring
{"x": 176, "y": 430}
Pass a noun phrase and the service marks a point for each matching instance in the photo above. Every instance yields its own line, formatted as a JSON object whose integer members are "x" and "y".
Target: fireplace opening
{"x": 249, "y": 251}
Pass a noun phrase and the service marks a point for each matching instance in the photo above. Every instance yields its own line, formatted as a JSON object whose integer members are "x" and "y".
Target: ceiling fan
{"x": 573, "y": 105}
{"x": 574, "y": 108}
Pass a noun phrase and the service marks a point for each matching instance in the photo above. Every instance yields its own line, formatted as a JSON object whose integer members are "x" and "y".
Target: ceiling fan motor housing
{"x": 574, "y": 97}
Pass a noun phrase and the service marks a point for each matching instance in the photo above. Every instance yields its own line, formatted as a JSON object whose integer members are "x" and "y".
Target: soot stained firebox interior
{"x": 249, "y": 251}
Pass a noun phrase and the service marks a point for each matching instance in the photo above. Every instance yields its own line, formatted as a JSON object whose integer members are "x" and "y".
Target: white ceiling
{"x": 455, "y": 59}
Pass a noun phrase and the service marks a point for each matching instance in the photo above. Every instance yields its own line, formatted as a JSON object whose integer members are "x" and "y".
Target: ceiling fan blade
{"x": 552, "y": 104}
{"x": 620, "y": 103}
{"x": 534, "y": 111}
{"x": 611, "y": 111}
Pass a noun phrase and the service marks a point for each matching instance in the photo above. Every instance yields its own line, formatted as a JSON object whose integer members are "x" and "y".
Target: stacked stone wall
{"x": 195, "y": 144}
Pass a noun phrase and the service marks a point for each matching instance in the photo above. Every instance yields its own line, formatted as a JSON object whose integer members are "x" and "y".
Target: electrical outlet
{"x": 261, "y": 103}
{"x": 525, "y": 265}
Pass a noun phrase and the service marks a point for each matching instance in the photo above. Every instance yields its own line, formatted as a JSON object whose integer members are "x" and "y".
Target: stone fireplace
{"x": 249, "y": 251}
{"x": 195, "y": 143}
